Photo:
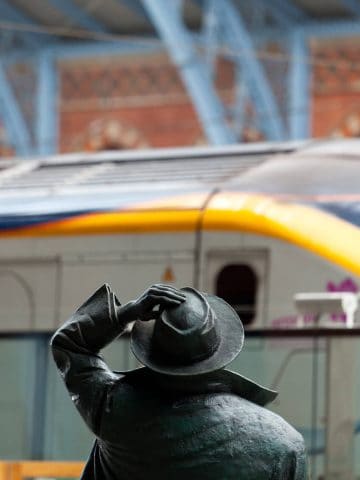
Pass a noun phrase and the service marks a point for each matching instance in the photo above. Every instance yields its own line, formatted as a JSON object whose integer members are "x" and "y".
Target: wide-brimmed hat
{"x": 201, "y": 335}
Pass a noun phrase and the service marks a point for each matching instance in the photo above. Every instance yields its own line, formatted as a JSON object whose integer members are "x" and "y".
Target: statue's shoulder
{"x": 258, "y": 422}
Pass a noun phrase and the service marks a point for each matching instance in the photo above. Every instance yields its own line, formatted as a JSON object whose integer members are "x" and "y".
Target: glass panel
{"x": 17, "y": 376}
{"x": 311, "y": 383}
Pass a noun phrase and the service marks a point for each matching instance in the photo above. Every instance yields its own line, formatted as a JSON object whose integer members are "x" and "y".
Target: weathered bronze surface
{"x": 182, "y": 415}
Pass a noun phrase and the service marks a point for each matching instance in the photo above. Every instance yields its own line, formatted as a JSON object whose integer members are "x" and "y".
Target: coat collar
{"x": 218, "y": 381}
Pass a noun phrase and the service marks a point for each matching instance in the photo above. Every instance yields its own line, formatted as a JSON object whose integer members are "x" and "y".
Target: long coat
{"x": 146, "y": 429}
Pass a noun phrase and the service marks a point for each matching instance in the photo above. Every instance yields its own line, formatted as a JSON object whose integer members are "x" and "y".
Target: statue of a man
{"x": 182, "y": 415}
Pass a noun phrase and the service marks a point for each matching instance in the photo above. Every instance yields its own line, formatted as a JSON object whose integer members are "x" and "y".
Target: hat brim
{"x": 219, "y": 381}
{"x": 231, "y": 333}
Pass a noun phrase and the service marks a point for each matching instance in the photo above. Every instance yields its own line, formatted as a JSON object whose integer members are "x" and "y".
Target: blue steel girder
{"x": 79, "y": 16}
{"x": 91, "y": 49}
{"x": 12, "y": 116}
{"x": 278, "y": 14}
{"x": 294, "y": 13}
{"x": 136, "y": 7}
{"x": 240, "y": 42}
{"x": 13, "y": 14}
{"x": 352, "y": 6}
{"x": 299, "y": 86}
{"x": 47, "y": 112}
{"x": 210, "y": 35}
{"x": 331, "y": 29}
{"x": 196, "y": 75}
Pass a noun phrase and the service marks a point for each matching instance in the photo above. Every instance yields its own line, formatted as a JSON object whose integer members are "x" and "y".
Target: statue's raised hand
{"x": 151, "y": 302}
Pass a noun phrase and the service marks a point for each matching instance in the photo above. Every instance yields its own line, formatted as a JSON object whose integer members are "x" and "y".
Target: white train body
{"x": 66, "y": 228}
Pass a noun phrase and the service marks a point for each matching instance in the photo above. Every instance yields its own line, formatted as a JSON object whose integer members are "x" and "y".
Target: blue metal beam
{"x": 79, "y": 16}
{"x": 47, "y": 109}
{"x": 299, "y": 87}
{"x": 353, "y": 6}
{"x": 331, "y": 29}
{"x": 12, "y": 117}
{"x": 92, "y": 49}
{"x": 195, "y": 74}
{"x": 136, "y": 7}
{"x": 13, "y": 14}
{"x": 278, "y": 14}
{"x": 210, "y": 34}
{"x": 289, "y": 9}
{"x": 260, "y": 90}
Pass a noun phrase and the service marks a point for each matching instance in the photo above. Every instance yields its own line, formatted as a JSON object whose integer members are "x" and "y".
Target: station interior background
{"x": 99, "y": 75}
{"x": 113, "y": 75}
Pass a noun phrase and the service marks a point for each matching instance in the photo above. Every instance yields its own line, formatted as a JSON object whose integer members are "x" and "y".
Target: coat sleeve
{"x": 76, "y": 346}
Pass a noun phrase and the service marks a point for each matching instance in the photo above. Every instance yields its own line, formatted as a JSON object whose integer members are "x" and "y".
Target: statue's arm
{"x": 77, "y": 344}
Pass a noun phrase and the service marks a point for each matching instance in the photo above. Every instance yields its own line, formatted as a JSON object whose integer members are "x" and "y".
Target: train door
{"x": 240, "y": 277}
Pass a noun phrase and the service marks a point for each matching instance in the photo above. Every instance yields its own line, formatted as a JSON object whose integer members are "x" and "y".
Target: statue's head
{"x": 201, "y": 335}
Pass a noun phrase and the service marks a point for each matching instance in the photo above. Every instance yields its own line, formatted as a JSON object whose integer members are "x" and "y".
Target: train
{"x": 252, "y": 223}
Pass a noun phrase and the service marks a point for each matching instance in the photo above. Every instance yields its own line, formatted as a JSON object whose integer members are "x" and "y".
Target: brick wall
{"x": 139, "y": 101}
{"x": 336, "y": 88}
{"x": 129, "y": 102}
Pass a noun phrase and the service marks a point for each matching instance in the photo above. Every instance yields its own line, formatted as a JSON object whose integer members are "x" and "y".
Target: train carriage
{"x": 253, "y": 224}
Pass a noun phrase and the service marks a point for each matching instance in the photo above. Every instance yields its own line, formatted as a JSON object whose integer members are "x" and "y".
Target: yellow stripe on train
{"x": 314, "y": 230}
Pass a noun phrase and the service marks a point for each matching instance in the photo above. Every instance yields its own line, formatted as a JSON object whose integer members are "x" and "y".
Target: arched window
{"x": 237, "y": 285}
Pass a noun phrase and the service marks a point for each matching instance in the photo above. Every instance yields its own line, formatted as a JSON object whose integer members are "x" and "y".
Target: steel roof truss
{"x": 277, "y": 14}
{"x": 78, "y": 15}
{"x": 12, "y": 14}
{"x": 352, "y": 6}
{"x": 46, "y": 128}
{"x": 240, "y": 42}
{"x": 194, "y": 71}
{"x": 13, "y": 117}
{"x": 298, "y": 86}
{"x": 135, "y": 7}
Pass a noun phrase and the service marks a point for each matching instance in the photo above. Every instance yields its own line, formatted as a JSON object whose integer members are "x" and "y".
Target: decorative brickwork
{"x": 336, "y": 88}
{"x": 141, "y": 96}
{"x": 139, "y": 101}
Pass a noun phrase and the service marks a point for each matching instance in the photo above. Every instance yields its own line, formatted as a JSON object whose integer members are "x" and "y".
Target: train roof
{"x": 266, "y": 167}
{"x": 306, "y": 193}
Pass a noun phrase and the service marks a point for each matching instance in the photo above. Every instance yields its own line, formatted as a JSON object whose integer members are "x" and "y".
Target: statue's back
{"x": 210, "y": 436}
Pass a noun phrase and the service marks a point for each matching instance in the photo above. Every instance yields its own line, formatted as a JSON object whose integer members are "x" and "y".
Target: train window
{"x": 237, "y": 285}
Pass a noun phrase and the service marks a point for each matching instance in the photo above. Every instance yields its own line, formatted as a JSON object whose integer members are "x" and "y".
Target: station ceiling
{"x": 249, "y": 34}
{"x": 128, "y": 17}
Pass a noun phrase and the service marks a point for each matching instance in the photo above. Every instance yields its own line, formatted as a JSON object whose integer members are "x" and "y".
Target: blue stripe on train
{"x": 9, "y": 222}
{"x": 348, "y": 211}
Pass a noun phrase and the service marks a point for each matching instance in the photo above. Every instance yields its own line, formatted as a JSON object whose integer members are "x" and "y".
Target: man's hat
{"x": 201, "y": 335}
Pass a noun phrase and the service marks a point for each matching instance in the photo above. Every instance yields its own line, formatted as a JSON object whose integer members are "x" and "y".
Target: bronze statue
{"x": 182, "y": 415}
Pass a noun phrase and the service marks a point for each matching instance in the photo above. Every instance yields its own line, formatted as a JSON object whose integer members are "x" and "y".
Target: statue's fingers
{"x": 167, "y": 291}
{"x": 168, "y": 295}
{"x": 166, "y": 299}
